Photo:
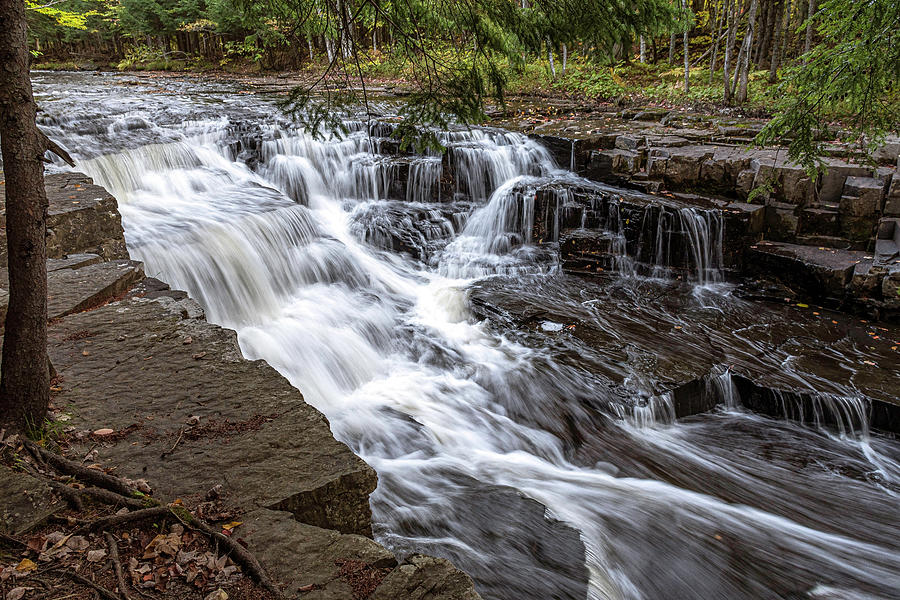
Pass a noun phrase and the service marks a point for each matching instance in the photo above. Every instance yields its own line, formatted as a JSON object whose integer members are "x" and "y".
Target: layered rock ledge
{"x": 192, "y": 417}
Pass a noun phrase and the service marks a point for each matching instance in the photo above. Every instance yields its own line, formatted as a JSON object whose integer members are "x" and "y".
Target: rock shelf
{"x": 190, "y": 415}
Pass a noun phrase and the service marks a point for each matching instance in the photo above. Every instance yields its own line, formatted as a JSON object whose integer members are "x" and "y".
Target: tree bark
{"x": 729, "y": 49}
{"x": 25, "y": 381}
{"x": 672, "y": 49}
{"x": 745, "y": 50}
{"x": 809, "y": 26}
{"x": 643, "y": 50}
{"x": 778, "y": 41}
{"x": 687, "y": 62}
{"x": 722, "y": 10}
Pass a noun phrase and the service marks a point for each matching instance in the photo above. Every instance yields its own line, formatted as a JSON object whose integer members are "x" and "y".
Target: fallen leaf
{"x": 104, "y": 431}
{"x": 78, "y": 542}
{"x": 26, "y": 566}
{"x": 96, "y": 555}
{"x": 17, "y": 593}
{"x": 234, "y": 524}
{"x": 219, "y": 594}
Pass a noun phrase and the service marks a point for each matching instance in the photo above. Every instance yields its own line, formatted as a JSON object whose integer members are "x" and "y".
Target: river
{"x": 519, "y": 417}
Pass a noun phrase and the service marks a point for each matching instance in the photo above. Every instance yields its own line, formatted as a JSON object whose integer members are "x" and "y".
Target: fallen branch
{"x": 56, "y": 149}
{"x": 92, "y": 476}
{"x": 117, "y": 565}
{"x": 116, "y": 520}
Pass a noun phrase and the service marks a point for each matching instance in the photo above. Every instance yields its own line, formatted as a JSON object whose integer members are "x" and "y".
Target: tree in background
{"x": 855, "y": 74}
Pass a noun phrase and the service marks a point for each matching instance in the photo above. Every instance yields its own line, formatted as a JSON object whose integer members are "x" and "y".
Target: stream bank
{"x": 187, "y": 413}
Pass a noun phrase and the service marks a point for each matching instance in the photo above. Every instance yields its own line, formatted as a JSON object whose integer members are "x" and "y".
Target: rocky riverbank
{"x": 147, "y": 388}
{"x": 834, "y": 239}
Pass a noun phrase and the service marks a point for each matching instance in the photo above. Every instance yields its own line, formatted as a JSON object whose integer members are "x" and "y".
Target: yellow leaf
{"x": 232, "y": 525}
{"x": 801, "y": 305}
{"x": 26, "y": 565}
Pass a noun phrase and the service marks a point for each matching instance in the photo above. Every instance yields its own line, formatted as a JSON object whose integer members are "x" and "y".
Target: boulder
{"x": 782, "y": 221}
{"x": 426, "y": 578}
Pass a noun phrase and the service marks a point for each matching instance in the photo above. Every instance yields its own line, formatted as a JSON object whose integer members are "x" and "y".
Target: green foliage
{"x": 853, "y": 77}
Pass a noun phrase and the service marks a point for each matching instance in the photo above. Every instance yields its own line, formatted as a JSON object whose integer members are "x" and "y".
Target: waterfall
{"x": 359, "y": 291}
{"x": 691, "y": 239}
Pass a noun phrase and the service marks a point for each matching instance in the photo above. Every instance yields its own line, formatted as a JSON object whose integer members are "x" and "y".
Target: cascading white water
{"x": 442, "y": 405}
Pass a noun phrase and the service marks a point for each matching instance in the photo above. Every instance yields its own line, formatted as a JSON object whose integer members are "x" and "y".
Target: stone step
{"x": 72, "y": 290}
{"x": 79, "y": 282}
{"x": 161, "y": 365}
{"x": 820, "y": 272}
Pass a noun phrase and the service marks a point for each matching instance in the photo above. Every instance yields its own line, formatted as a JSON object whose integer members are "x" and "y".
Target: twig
{"x": 175, "y": 445}
{"x": 88, "y": 453}
{"x": 117, "y": 564}
{"x": 104, "y": 593}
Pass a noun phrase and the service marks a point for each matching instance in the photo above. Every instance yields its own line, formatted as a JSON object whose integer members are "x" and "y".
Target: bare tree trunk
{"x": 778, "y": 41}
{"x": 745, "y": 50}
{"x": 550, "y": 55}
{"x": 809, "y": 26}
{"x": 309, "y": 43}
{"x": 565, "y": 58}
{"x": 715, "y": 49}
{"x": 643, "y": 50}
{"x": 672, "y": 49}
{"x": 729, "y": 49}
{"x": 687, "y": 62}
{"x": 25, "y": 381}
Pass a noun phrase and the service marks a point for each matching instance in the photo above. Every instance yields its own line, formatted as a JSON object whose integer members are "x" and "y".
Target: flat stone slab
{"x": 149, "y": 366}
{"x": 72, "y": 261}
{"x": 817, "y": 270}
{"x": 73, "y": 290}
{"x": 25, "y": 502}
{"x": 79, "y": 282}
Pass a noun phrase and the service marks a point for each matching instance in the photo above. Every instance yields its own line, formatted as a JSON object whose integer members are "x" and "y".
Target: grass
{"x": 635, "y": 83}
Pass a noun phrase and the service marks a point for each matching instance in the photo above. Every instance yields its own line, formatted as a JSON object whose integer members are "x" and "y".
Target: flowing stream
{"x": 545, "y": 465}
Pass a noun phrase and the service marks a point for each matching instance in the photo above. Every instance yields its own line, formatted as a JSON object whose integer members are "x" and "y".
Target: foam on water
{"x": 387, "y": 347}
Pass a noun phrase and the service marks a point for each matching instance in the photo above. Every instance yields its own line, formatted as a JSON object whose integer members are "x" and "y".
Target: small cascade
{"x": 659, "y": 409}
{"x": 424, "y": 184}
{"x": 688, "y": 239}
{"x": 849, "y": 415}
{"x": 482, "y": 160}
{"x": 720, "y": 385}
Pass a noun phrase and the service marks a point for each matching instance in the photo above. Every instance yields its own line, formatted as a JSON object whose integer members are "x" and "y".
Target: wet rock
{"x": 301, "y": 556}
{"x": 831, "y": 184}
{"x": 819, "y": 221}
{"x": 890, "y": 287}
{"x": 862, "y": 196}
{"x": 819, "y": 272}
{"x": 866, "y": 280}
{"x": 426, "y": 578}
{"x": 781, "y": 220}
